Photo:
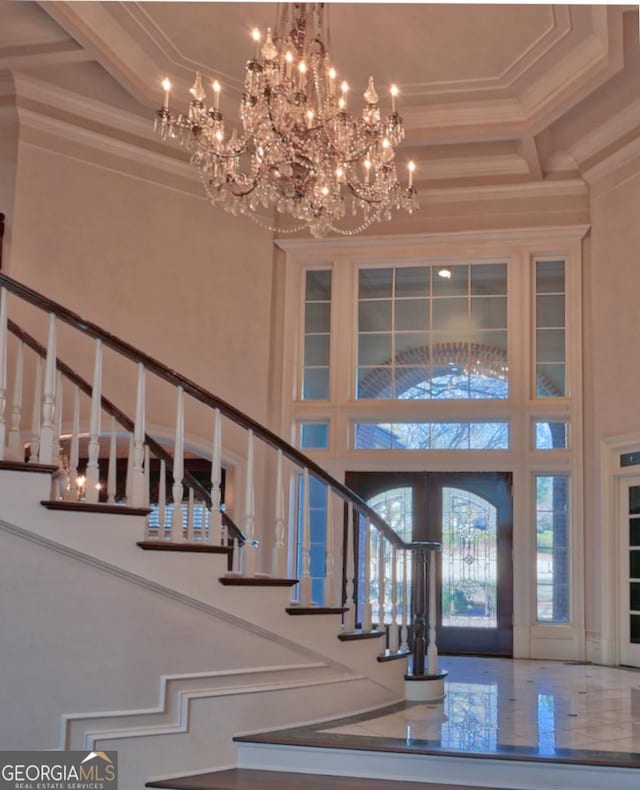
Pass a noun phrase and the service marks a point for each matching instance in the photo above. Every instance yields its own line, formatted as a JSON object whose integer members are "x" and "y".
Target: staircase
{"x": 158, "y": 615}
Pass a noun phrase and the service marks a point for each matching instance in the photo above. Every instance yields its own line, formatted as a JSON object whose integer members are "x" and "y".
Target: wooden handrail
{"x": 199, "y": 393}
{"x": 126, "y": 422}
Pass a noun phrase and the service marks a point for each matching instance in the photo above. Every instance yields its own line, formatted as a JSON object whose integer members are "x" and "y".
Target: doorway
{"x": 629, "y": 591}
{"x": 470, "y": 514}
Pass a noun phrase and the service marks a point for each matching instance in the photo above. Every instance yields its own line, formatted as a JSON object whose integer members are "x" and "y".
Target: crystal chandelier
{"x": 298, "y": 149}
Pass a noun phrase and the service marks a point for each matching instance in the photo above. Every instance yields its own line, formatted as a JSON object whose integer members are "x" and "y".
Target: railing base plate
{"x": 425, "y": 688}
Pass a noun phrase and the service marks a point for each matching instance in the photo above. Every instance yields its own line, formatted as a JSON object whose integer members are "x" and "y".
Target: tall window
{"x": 317, "y": 334}
{"x": 552, "y": 545}
{"x": 433, "y": 332}
{"x": 550, "y": 329}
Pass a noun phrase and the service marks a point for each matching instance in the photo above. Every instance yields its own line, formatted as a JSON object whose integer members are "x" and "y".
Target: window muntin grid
{"x": 317, "y": 335}
{"x": 550, "y": 329}
{"x": 424, "y": 336}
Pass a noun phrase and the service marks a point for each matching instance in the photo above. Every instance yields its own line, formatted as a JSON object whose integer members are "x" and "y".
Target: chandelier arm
{"x": 367, "y": 200}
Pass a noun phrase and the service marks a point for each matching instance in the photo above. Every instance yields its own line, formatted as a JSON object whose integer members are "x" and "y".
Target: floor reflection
{"x": 541, "y": 709}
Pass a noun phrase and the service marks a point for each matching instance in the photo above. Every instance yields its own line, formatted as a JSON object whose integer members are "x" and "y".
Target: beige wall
{"x": 612, "y": 342}
{"x": 184, "y": 282}
{"x": 8, "y": 158}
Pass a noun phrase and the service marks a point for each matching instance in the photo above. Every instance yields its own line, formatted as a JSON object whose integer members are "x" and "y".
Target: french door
{"x": 470, "y": 514}
{"x": 629, "y": 590}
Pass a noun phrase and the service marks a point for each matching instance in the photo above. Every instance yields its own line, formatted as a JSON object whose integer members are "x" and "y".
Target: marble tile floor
{"x": 504, "y": 708}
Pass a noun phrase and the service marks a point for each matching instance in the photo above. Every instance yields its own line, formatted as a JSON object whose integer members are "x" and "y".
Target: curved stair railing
{"x": 346, "y": 557}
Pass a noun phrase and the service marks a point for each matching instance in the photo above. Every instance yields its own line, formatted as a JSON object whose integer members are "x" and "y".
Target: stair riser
{"x": 464, "y": 770}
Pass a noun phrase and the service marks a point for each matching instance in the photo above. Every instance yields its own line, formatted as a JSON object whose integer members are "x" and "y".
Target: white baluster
{"x": 113, "y": 464}
{"x": 305, "y": 576}
{"x": 58, "y": 418}
{"x": 331, "y": 597}
{"x": 250, "y": 547}
{"x": 382, "y": 593}
{"x": 350, "y": 615}
{"x": 277, "y": 557}
{"x": 190, "y": 507}
{"x": 74, "y": 448}
{"x": 394, "y": 636}
{"x": 178, "y": 469}
{"x": 35, "y": 414}
{"x": 366, "y": 578}
{"x": 236, "y": 557}
{"x": 93, "y": 471}
{"x": 60, "y": 481}
{"x": 128, "y": 484}
{"x": 404, "y": 627}
{"x": 4, "y": 344}
{"x": 216, "y": 478}
{"x": 147, "y": 476}
{"x": 162, "y": 500}
{"x": 15, "y": 439}
{"x": 46, "y": 449}
{"x": 432, "y": 648}
{"x": 137, "y": 481}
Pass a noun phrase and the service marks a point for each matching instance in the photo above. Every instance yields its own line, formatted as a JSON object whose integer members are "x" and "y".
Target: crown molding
{"x": 470, "y": 166}
{"x": 84, "y": 107}
{"x": 621, "y": 166}
{"x": 104, "y": 151}
{"x": 615, "y": 127}
{"x": 378, "y": 245}
{"x": 558, "y": 28}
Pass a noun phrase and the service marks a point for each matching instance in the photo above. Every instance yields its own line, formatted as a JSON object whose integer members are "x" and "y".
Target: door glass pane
{"x": 469, "y": 560}
{"x": 634, "y": 500}
{"x": 634, "y": 531}
{"x": 634, "y": 628}
{"x": 634, "y": 596}
{"x": 395, "y": 506}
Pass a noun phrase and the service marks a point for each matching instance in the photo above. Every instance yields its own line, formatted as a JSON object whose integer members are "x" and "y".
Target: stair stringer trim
{"x": 317, "y": 661}
{"x": 179, "y": 700}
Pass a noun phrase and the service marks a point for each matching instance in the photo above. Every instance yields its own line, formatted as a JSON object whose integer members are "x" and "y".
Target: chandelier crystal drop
{"x": 298, "y": 149}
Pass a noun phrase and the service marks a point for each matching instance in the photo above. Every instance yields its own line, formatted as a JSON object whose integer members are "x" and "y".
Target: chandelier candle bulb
{"x": 310, "y": 117}
{"x": 255, "y": 35}
{"x": 345, "y": 89}
{"x": 394, "y": 93}
{"x": 332, "y": 81}
{"x": 288, "y": 60}
{"x": 166, "y": 86}
{"x": 216, "y": 94}
{"x": 302, "y": 72}
{"x": 412, "y": 167}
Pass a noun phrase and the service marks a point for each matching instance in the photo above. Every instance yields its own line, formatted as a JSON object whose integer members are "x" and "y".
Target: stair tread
{"x": 255, "y": 779}
{"x": 17, "y": 466}
{"x": 314, "y": 610}
{"x": 90, "y": 507}
{"x": 393, "y": 656}
{"x": 256, "y": 581}
{"x": 203, "y": 548}
{"x": 352, "y": 636}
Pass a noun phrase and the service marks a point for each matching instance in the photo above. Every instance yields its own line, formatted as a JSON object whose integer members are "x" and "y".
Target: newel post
{"x": 425, "y": 681}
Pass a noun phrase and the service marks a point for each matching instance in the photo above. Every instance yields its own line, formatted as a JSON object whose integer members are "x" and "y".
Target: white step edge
{"x": 447, "y": 769}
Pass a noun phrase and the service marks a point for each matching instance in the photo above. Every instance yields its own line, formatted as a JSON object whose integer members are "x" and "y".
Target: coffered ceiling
{"x": 491, "y": 94}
